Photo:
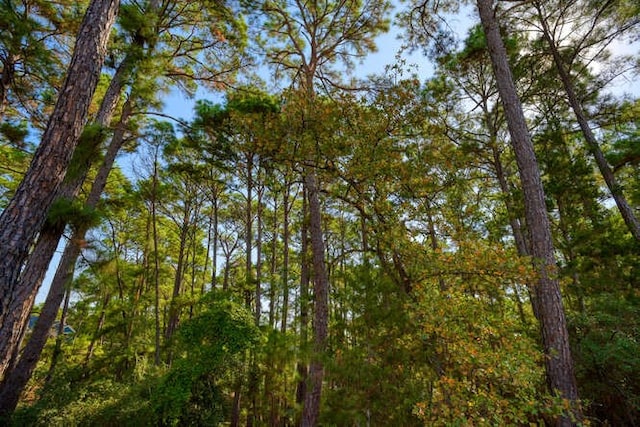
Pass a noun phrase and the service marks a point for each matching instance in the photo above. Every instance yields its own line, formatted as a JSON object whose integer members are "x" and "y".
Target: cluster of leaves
{"x": 189, "y": 392}
{"x": 430, "y": 317}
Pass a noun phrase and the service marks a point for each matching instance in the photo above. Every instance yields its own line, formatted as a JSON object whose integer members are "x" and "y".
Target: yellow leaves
{"x": 420, "y": 409}
{"x": 485, "y": 370}
{"x": 219, "y": 35}
{"x": 447, "y": 381}
{"x": 479, "y": 269}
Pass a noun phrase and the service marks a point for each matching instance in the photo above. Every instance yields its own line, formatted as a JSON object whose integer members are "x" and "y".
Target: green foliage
{"x": 14, "y": 134}
{"x": 73, "y": 212}
{"x": 208, "y": 348}
{"x": 430, "y": 321}
{"x": 13, "y": 163}
{"x": 88, "y": 150}
{"x": 247, "y": 102}
{"x": 142, "y": 26}
{"x": 373, "y": 381}
{"x": 485, "y": 374}
{"x": 606, "y": 347}
{"x": 485, "y": 364}
{"x": 71, "y": 401}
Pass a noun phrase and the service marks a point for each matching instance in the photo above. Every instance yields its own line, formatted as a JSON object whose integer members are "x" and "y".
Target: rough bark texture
{"x": 18, "y": 376}
{"x": 311, "y": 410}
{"x": 555, "y": 337}
{"x": 27, "y": 211}
{"x": 592, "y": 143}
{"x": 31, "y": 277}
{"x": 6, "y": 79}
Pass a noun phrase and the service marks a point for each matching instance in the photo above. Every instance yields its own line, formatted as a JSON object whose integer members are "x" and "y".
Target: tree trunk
{"x": 156, "y": 264}
{"x": 522, "y": 245}
{"x": 273, "y": 264}
{"x": 555, "y": 337}
{"x": 16, "y": 321}
{"x": 285, "y": 256}
{"x": 301, "y": 367}
{"x": 30, "y": 279}
{"x": 214, "y": 260}
{"x": 258, "y": 290}
{"x": 27, "y": 211}
{"x": 253, "y": 381}
{"x": 99, "y": 326}
{"x": 248, "y": 233}
{"x": 174, "y": 309}
{"x": 607, "y": 173}
{"x": 57, "y": 350}
{"x": 6, "y": 80}
{"x": 16, "y": 379}
{"x": 313, "y": 394}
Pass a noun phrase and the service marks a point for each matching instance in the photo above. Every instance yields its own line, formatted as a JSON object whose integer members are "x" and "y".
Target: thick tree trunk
{"x": 313, "y": 394}
{"x": 555, "y": 337}
{"x": 34, "y": 272}
{"x": 18, "y": 376}
{"x": 592, "y": 143}
{"x": 27, "y": 211}
{"x": 16, "y": 320}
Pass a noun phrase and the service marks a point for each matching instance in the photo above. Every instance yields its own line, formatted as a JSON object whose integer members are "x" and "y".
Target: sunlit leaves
{"x": 485, "y": 366}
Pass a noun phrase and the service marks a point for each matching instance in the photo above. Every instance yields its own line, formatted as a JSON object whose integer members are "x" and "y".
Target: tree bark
{"x": 31, "y": 277}
{"x": 313, "y": 394}
{"x": 156, "y": 264}
{"x": 174, "y": 309}
{"x": 258, "y": 290}
{"x": 57, "y": 350}
{"x": 248, "y": 232}
{"x": 6, "y": 80}
{"x": 17, "y": 378}
{"x": 555, "y": 337}
{"x": 592, "y": 143}
{"x": 27, "y": 211}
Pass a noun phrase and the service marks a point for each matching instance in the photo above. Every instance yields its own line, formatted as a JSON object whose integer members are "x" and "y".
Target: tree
{"x": 27, "y": 211}
{"x": 315, "y": 36}
{"x": 64, "y": 211}
{"x": 34, "y": 35}
{"x": 555, "y": 336}
{"x": 140, "y": 54}
{"x": 587, "y": 41}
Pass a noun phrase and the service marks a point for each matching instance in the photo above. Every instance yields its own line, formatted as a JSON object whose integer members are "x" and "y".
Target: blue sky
{"x": 389, "y": 44}
{"x": 178, "y": 105}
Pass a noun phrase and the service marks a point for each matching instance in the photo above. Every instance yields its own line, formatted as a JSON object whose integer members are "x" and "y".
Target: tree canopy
{"x": 308, "y": 243}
